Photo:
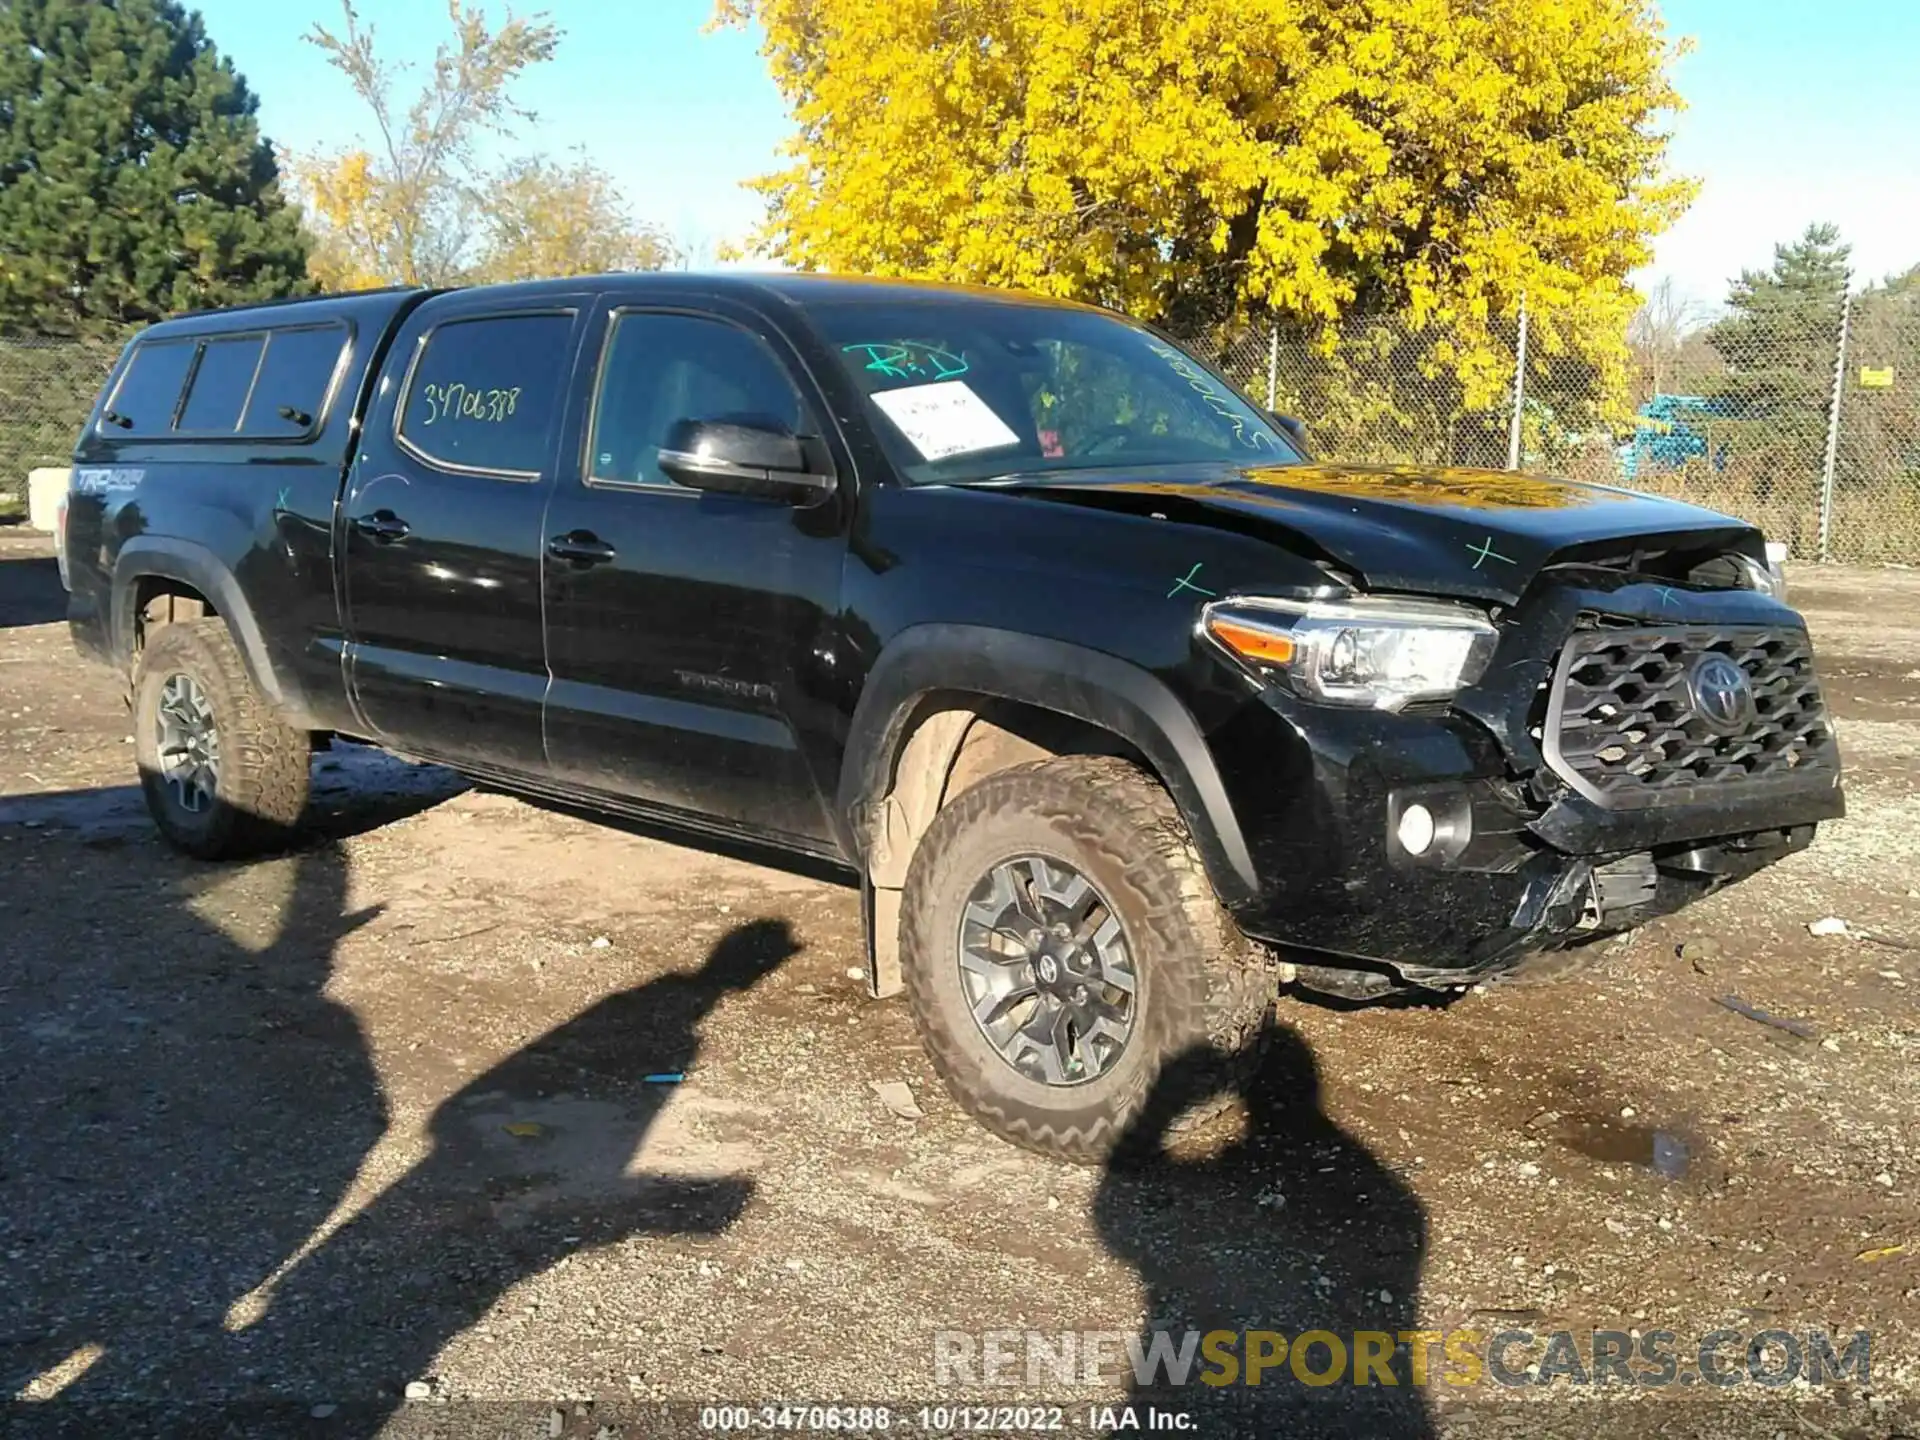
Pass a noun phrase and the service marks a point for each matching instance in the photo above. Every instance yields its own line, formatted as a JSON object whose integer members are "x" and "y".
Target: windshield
{"x": 962, "y": 389}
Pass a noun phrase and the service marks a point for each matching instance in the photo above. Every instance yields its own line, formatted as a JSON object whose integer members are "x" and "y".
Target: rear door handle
{"x": 382, "y": 525}
{"x": 581, "y": 547}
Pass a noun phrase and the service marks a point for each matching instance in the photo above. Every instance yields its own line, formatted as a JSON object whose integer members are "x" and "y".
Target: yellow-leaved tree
{"x": 1204, "y": 162}
{"x": 429, "y": 205}
{"x": 346, "y": 203}
{"x": 543, "y": 217}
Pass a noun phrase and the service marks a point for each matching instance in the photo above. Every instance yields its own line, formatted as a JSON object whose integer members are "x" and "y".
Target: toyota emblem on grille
{"x": 1722, "y": 695}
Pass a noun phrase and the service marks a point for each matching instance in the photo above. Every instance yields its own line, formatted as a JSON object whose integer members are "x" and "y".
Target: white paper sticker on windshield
{"x": 945, "y": 419}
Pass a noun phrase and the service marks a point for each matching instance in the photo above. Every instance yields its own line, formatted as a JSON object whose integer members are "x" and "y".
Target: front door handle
{"x": 581, "y": 547}
{"x": 383, "y": 525}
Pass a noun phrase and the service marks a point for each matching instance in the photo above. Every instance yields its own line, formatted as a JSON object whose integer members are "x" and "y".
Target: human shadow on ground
{"x": 185, "y": 1104}
{"x": 1292, "y": 1226}
{"x": 188, "y": 1105}
{"x": 531, "y": 1162}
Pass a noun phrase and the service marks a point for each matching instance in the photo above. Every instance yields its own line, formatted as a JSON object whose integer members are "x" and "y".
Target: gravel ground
{"x": 359, "y": 1139}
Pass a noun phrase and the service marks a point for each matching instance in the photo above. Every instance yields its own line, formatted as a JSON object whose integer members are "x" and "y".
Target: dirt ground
{"x": 362, "y": 1136}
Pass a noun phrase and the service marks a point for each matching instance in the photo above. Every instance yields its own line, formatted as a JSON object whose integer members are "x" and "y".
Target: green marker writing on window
{"x": 908, "y": 359}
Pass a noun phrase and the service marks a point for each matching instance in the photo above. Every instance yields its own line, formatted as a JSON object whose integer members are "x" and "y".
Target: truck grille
{"x": 1626, "y": 727}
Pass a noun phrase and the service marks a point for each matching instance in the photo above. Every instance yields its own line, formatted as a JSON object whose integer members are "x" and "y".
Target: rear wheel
{"x": 223, "y": 777}
{"x": 1061, "y": 943}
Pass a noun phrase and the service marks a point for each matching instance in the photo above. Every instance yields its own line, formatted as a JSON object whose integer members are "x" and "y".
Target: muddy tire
{"x": 1092, "y": 968}
{"x": 223, "y": 777}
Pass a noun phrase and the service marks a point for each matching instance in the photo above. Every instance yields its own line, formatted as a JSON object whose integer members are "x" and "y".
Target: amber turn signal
{"x": 1252, "y": 642}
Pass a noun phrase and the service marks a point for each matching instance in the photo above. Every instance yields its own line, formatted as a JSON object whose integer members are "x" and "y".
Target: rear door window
{"x": 144, "y": 400}
{"x": 483, "y": 393}
{"x": 290, "y": 392}
{"x": 221, "y": 383}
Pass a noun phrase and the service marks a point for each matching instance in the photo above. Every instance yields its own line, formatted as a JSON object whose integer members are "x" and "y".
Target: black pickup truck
{"x": 1123, "y": 711}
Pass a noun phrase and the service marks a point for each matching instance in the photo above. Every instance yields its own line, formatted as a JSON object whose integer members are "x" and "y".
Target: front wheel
{"x": 223, "y": 777}
{"x": 1061, "y": 944}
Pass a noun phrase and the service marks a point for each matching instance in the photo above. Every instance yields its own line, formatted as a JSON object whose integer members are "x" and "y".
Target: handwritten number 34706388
{"x": 454, "y": 401}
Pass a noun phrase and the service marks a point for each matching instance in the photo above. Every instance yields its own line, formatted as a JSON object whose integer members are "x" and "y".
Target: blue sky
{"x": 1797, "y": 112}
{"x": 678, "y": 116}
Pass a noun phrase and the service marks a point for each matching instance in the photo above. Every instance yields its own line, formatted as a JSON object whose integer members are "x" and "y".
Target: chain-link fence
{"x": 46, "y": 389}
{"x": 1803, "y": 418}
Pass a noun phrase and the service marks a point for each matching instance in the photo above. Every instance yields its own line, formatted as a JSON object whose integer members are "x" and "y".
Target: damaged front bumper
{"x": 1521, "y": 881}
{"x": 1571, "y": 900}
{"x": 1518, "y": 854}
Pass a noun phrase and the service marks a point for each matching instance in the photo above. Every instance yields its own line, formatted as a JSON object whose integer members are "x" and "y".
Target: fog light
{"x": 1416, "y": 829}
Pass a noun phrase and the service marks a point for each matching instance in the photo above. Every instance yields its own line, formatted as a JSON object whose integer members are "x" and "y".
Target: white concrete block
{"x": 45, "y": 490}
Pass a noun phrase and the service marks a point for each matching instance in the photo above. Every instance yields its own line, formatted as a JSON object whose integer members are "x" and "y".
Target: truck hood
{"x": 1481, "y": 534}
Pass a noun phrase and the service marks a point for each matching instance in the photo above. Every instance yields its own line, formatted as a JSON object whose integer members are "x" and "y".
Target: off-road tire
{"x": 265, "y": 766}
{"x": 1202, "y": 990}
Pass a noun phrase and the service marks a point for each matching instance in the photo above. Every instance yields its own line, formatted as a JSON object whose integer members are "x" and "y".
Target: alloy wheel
{"x": 188, "y": 744}
{"x": 1047, "y": 972}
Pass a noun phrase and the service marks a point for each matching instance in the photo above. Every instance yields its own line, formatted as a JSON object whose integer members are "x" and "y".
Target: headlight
{"x": 1768, "y": 579}
{"x": 1378, "y": 653}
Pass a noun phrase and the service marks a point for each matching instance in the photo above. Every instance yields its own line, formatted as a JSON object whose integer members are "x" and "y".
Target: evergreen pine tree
{"x": 1778, "y": 339}
{"x": 1782, "y": 324}
{"x": 133, "y": 179}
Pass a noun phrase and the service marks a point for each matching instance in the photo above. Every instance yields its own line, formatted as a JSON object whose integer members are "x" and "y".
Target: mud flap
{"x": 880, "y": 916}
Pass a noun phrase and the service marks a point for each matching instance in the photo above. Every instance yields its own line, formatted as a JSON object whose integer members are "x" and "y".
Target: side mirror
{"x": 743, "y": 458}
{"x": 1294, "y": 431}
